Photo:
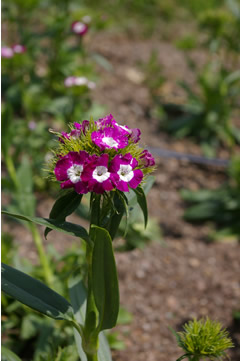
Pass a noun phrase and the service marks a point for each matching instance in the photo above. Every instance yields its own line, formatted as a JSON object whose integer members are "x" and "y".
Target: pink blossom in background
{"x": 7, "y": 52}
{"x": 32, "y": 125}
{"x": 71, "y": 81}
{"x": 79, "y": 28}
{"x": 18, "y": 48}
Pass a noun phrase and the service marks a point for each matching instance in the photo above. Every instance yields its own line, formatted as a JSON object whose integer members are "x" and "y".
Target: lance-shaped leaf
{"x": 63, "y": 207}
{"x": 35, "y": 294}
{"x": 8, "y": 355}
{"x": 65, "y": 227}
{"x": 104, "y": 278}
{"x": 141, "y": 199}
{"x": 78, "y": 296}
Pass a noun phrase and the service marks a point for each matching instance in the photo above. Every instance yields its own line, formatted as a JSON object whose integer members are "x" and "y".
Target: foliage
{"x": 220, "y": 206}
{"x": 206, "y": 117}
{"x": 203, "y": 339}
{"x": 222, "y": 26}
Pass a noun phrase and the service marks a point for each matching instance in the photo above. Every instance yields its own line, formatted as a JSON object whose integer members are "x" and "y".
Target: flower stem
{"x": 92, "y": 357}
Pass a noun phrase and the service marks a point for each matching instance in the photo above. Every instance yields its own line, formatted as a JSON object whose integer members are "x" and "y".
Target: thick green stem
{"x": 90, "y": 332}
{"x": 92, "y": 357}
{"x": 42, "y": 255}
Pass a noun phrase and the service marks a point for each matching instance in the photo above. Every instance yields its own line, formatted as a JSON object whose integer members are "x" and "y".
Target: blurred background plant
{"x": 207, "y": 113}
{"x": 219, "y": 206}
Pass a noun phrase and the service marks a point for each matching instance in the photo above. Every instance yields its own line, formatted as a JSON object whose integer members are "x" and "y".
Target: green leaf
{"x": 35, "y": 294}
{"x": 131, "y": 196}
{"x": 104, "y": 278}
{"x": 6, "y": 128}
{"x": 63, "y": 207}
{"x": 65, "y": 227}
{"x": 116, "y": 218}
{"x": 7, "y": 355}
{"x": 78, "y": 296}
{"x": 24, "y": 196}
{"x": 142, "y": 203}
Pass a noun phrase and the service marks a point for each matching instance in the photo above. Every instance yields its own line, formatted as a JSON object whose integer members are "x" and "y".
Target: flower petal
{"x": 61, "y": 168}
{"x": 136, "y": 180}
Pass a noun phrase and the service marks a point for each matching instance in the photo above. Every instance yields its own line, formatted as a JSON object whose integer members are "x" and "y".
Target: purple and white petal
{"x": 62, "y": 167}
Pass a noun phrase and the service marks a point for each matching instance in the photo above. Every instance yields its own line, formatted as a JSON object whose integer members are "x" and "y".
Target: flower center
{"x": 110, "y": 141}
{"x": 74, "y": 173}
{"x": 101, "y": 173}
{"x": 125, "y": 172}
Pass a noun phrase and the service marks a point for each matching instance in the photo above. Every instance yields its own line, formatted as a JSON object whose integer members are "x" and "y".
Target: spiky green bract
{"x": 204, "y": 339}
{"x": 84, "y": 142}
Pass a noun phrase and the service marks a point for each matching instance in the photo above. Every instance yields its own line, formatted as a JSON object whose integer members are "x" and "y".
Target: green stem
{"x": 92, "y": 357}
{"x": 35, "y": 234}
{"x": 195, "y": 358}
{"x": 11, "y": 170}
{"x": 42, "y": 255}
{"x": 90, "y": 332}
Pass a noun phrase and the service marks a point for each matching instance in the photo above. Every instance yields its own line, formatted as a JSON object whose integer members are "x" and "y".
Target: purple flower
{"x": 97, "y": 175}
{"x": 107, "y": 121}
{"x": 123, "y": 172}
{"x": 7, "y": 52}
{"x": 109, "y": 138}
{"x": 18, "y": 48}
{"x": 123, "y": 129}
{"x": 147, "y": 159}
{"x": 79, "y": 28}
{"x": 135, "y": 135}
{"x": 83, "y": 127}
{"x": 69, "y": 171}
{"x": 64, "y": 135}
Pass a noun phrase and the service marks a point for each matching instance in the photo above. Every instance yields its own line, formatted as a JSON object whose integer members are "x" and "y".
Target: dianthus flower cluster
{"x": 100, "y": 156}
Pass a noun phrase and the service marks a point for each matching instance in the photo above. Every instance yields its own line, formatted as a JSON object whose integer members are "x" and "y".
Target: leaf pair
{"x": 39, "y": 297}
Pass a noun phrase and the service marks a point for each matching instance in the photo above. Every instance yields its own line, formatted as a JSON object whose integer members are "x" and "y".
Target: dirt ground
{"x": 163, "y": 285}
{"x": 166, "y": 285}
